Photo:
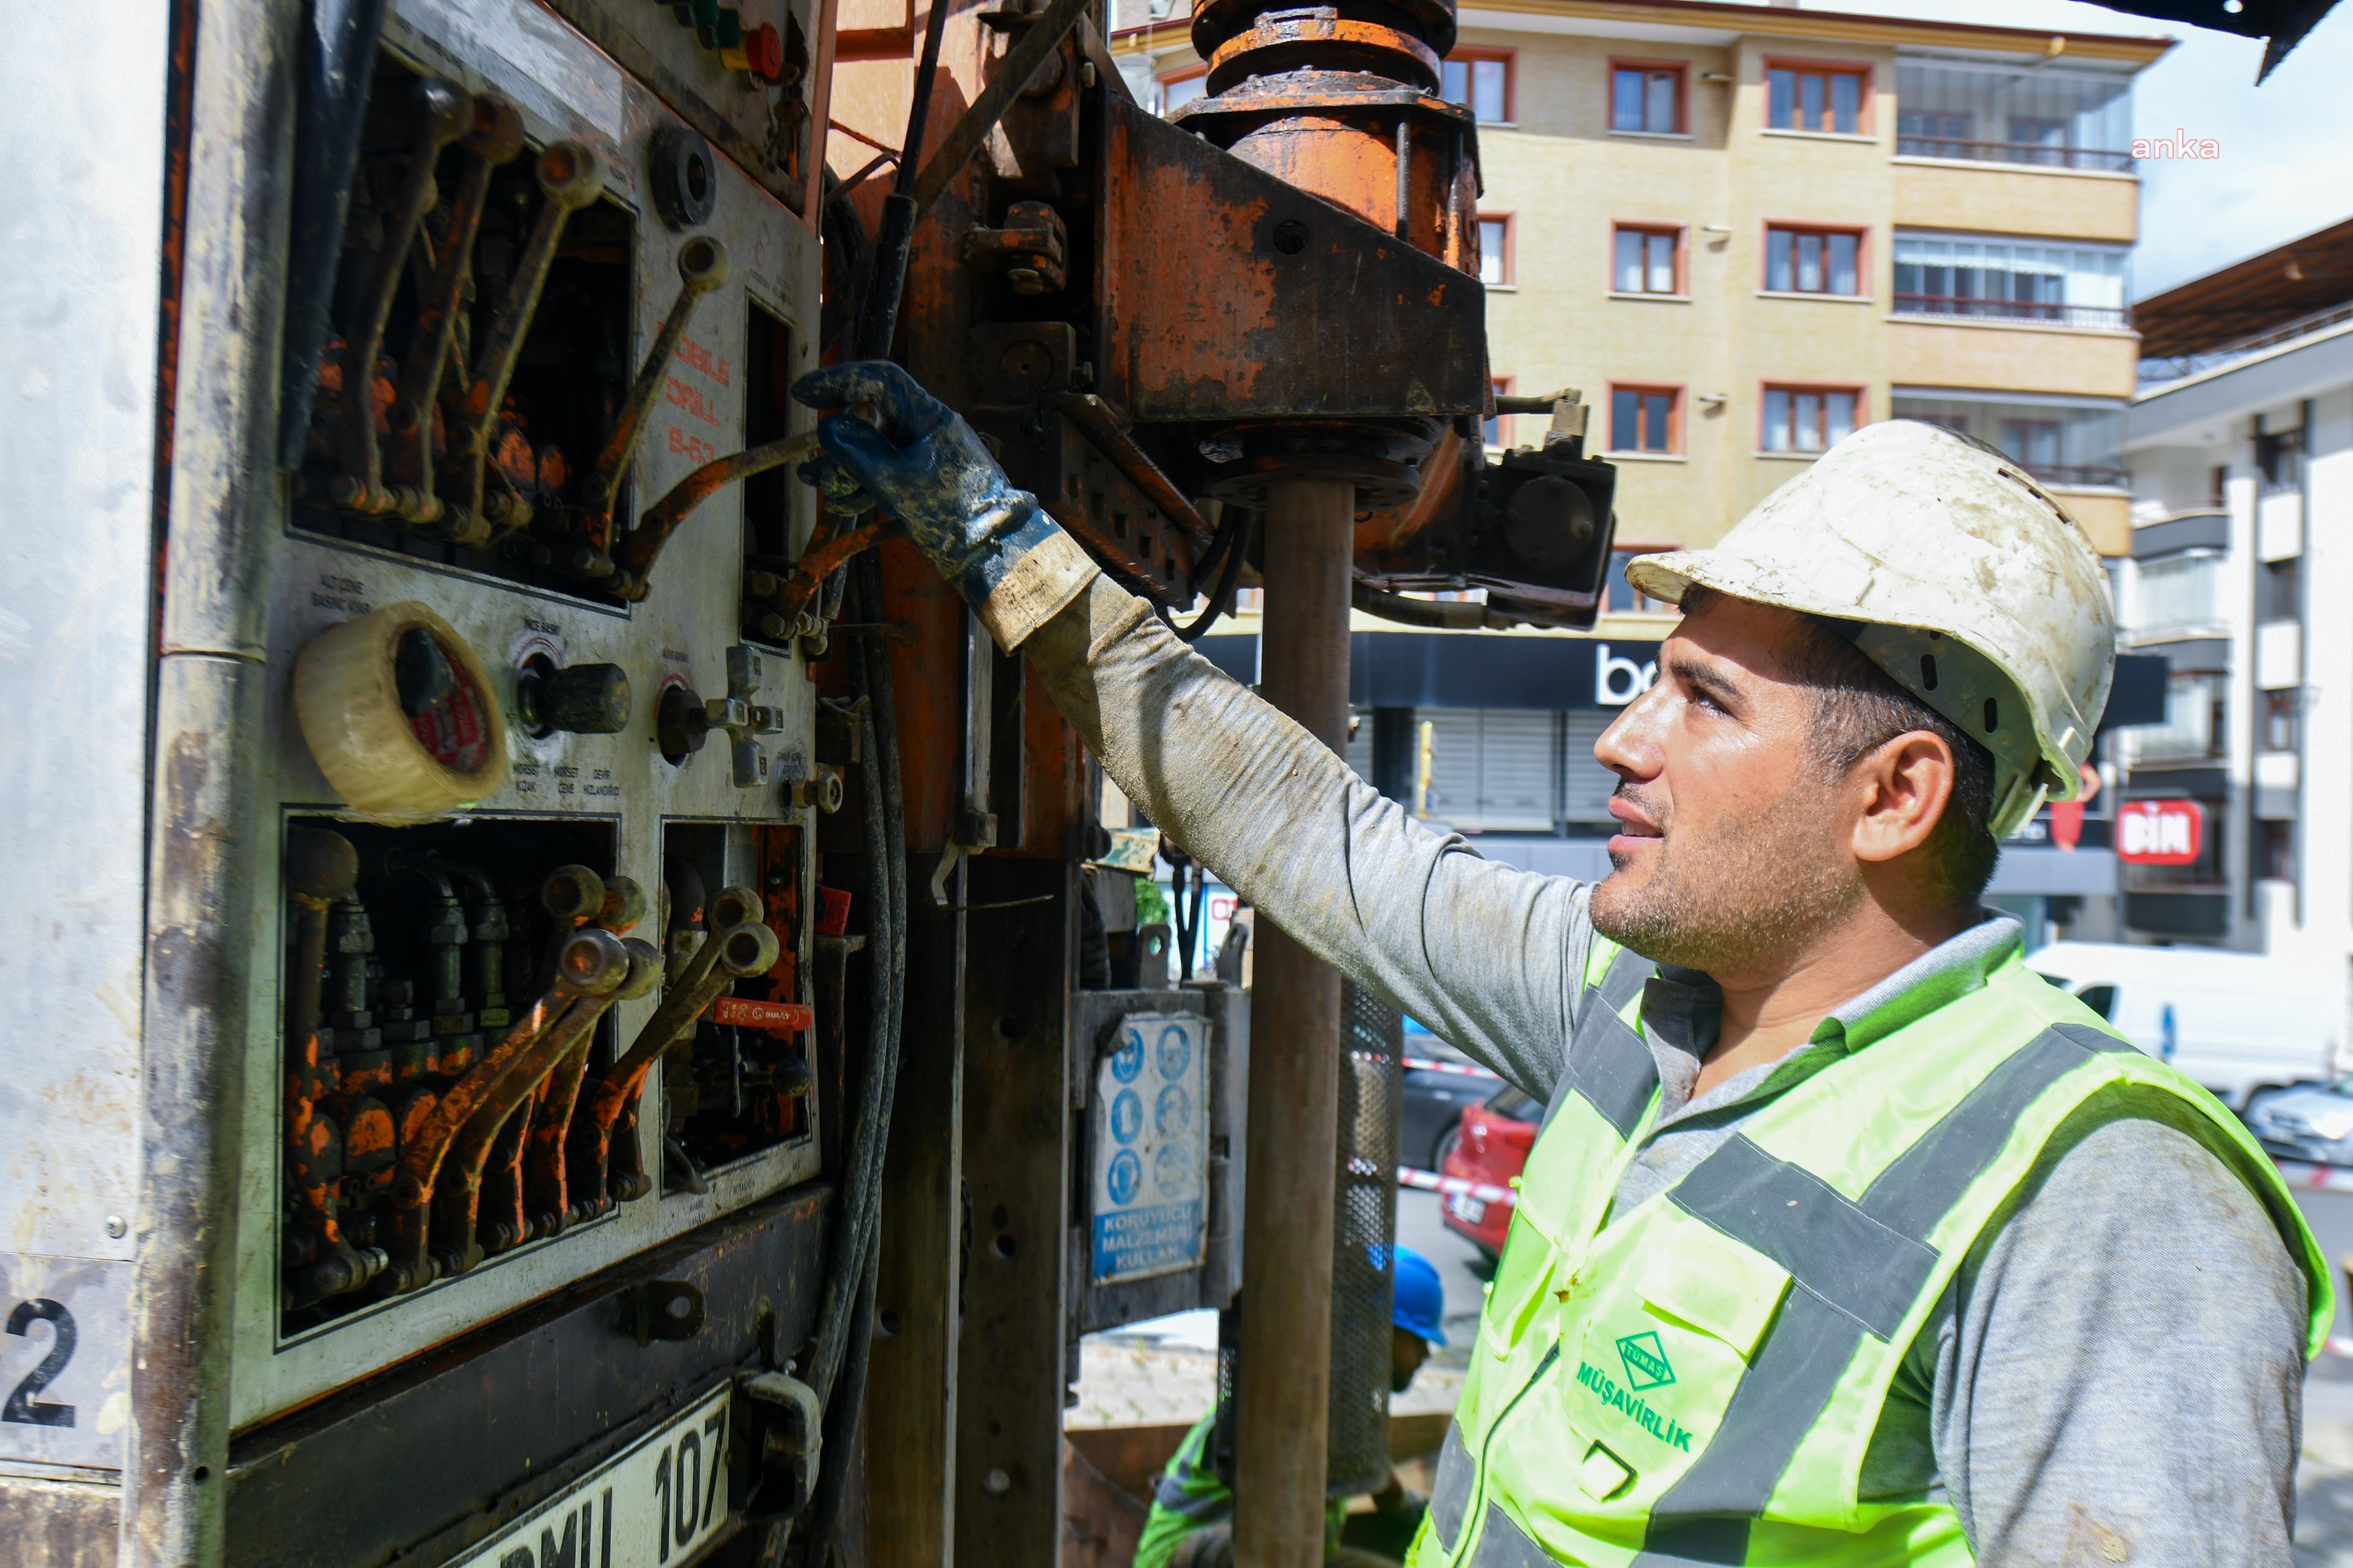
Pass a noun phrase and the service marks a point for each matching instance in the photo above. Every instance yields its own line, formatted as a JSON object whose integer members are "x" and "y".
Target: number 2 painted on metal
{"x": 21, "y": 1406}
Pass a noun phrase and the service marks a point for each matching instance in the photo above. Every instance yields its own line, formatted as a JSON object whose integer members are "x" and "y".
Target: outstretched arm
{"x": 1485, "y": 956}
{"x": 1482, "y": 954}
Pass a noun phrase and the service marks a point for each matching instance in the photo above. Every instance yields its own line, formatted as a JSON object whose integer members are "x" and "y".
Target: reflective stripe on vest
{"x": 1188, "y": 1488}
{"x": 1756, "y": 1302}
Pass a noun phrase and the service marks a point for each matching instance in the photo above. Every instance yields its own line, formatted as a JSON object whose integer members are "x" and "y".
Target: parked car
{"x": 2243, "y": 1025}
{"x": 2312, "y": 1122}
{"x": 1434, "y": 1099}
{"x": 1496, "y": 1135}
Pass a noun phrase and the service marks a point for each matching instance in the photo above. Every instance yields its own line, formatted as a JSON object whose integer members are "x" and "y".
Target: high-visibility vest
{"x": 1188, "y": 1496}
{"x": 1696, "y": 1380}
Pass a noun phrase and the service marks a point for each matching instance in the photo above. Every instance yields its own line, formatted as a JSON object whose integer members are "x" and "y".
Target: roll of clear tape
{"x": 387, "y": 764}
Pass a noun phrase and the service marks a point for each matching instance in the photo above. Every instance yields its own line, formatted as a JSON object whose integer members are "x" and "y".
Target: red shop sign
{"x": 2159, "y": 832}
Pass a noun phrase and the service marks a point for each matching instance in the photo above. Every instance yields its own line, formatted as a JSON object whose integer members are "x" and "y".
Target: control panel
{"x": 544, "y": 782}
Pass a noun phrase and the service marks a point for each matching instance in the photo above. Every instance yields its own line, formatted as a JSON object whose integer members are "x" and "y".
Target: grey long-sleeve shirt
{"x": 2116, "y": 1372}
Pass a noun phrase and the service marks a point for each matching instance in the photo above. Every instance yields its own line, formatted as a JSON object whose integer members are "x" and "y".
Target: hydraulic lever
{"x": 322, "y": 869}
{"x": 634, "y": 557}
{"x": 744, "y": 947}
{"x": 569, "y": 179}
{"x": 703, "y": 266}
{"x": 443, "y": 114}
{"x": 591, "y": 962}
{"x": 457, "y": 1196}
{"x": 496, "y": 138}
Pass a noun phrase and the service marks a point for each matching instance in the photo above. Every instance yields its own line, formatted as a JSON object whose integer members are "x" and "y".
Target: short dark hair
{"x": 1859, "y": 708}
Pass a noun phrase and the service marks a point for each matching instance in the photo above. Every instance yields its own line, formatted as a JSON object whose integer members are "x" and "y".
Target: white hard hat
{"x": 1973, "y": 588}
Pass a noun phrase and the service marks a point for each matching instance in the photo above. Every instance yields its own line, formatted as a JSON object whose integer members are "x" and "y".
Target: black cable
{"x": 846, "y": 1319}
{"x": 1232, "y": 548}
{"x": 878, "y": 320}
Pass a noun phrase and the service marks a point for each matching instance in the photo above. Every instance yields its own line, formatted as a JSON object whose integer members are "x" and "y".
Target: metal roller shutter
{"x": 1453, "y": 738}
{"x": 1360, "y": 744}
{"x": 1519, "y": 770}
{"x": 1492, "y": 771}
{"x": 1586, "y": 785}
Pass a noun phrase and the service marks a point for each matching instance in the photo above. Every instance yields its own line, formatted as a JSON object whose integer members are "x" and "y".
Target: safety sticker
{"x": 1151, "y": 1140}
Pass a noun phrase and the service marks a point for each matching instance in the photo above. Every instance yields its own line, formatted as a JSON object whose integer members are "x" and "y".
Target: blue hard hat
{"x": 1420, "y": 1302}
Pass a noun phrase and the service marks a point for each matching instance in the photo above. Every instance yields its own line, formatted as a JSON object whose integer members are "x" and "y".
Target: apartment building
{"x": 1741, "y": 231}
{"x": 2241, "y": 577}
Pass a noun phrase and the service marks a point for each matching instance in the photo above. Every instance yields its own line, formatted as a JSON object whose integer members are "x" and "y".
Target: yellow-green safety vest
{"x": 1695, "y": 1381}
{"x": 1188, "y": 1496}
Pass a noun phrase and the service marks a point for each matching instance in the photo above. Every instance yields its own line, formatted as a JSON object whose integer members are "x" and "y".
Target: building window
{"x": 1493, "y": 429}
{"x": 1647, "y": 97}
{"x": 1816, "y": 98}
{"x": 1495, "y": 250}
{"x": 2059, "y": 443}
{"x": 1179, "y": 88}
{"x": 2010, "y": 280}
{"x": 1647, "y": 261}
{"x": 2281, "y": 720}
{"x": 1807, "y": 418}
{"x": 1480, "y": 80}
{"x": 2180, "y": 592}
{"x": 1645, "y": 419}
{"x": 1813, "y": 260}
{"x": 2197, "y": 723}
{"x": 2279, "y": 458}
{"x": 2067, "y": 119}
{"x": 2274, "y": 849}
{"x": 2279, "y": 589}
{"x": 1619, "y": 595}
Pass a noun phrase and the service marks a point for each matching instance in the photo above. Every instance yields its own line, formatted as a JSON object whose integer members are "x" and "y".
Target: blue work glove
{"x": 925, "y": 466}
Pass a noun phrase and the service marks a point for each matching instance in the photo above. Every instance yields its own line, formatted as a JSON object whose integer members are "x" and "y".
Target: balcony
{"x": 2114, "y": 318}
{"x": 2041, "y": 154}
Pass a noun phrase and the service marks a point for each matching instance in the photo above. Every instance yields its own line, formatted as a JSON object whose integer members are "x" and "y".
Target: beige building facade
{"x": 1739, "y": 230}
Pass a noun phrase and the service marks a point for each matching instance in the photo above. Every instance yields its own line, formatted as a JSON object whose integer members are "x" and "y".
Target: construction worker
{"x": 1846, "y": 1239}
{"x": 1191, "y": 1522}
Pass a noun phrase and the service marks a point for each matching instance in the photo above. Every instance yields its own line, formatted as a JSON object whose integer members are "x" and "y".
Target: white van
{"x": 2238, "y": 1023}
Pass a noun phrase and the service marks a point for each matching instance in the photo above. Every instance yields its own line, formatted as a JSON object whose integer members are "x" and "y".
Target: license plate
{"x": 656, "y": 1502}
{"x": 1469, "y": 1210}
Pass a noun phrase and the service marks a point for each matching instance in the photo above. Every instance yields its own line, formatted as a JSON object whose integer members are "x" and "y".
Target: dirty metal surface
{"x": 1315, "y": 313}
{"x": 443, "y": 1451}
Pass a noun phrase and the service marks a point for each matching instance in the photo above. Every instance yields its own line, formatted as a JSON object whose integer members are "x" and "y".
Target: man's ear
{"x": 1905, "y": 787}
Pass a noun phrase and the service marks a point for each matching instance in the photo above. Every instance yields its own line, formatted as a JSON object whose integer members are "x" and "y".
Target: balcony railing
{"x": 2081, "y": 474}
{"x": 2041, "y": 153}
{"x": 2013, "y": 310}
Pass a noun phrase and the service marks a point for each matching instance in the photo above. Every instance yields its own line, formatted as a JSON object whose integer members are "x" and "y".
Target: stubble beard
{"x": 1731, "y": 900}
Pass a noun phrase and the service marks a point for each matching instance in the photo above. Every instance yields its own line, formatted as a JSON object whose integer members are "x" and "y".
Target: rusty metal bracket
{"x": 1317, "y": 314}
{"x": 663, "y": 1310}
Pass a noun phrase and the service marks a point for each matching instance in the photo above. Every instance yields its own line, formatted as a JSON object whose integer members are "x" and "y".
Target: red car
{"x": 1492, "y": 1147}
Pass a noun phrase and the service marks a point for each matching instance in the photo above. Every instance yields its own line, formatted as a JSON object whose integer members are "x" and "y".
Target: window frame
{"x": 1501, "y": 385}
{"x": 1860, "y": 390}
{"x": 1675, "y": 428}
{"x": 1862, "y": 259}
{"x": 1676, "y": 232}
{"x": 1643, "y": 603}
{"x": 1508, "y": 58}
{"x": 1162, "y": 82}
{"x": 1866, "y": 122}
{"x": 1508, "y": 264}
{"x": 1683, "y": 75}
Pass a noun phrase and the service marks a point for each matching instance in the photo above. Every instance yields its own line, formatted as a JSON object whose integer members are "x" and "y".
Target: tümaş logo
{"x": 1646, "y": 1361}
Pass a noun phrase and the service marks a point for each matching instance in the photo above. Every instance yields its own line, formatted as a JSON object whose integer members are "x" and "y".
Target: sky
{"x": 2286, "y": 146}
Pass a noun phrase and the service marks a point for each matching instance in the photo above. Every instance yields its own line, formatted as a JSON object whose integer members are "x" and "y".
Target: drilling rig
{"x": 565, "y": 1008}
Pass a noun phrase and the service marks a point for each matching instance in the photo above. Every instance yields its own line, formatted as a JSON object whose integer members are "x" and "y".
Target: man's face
{"x": 1732, "y": 846}
{"x": 1407, "y": 1350}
